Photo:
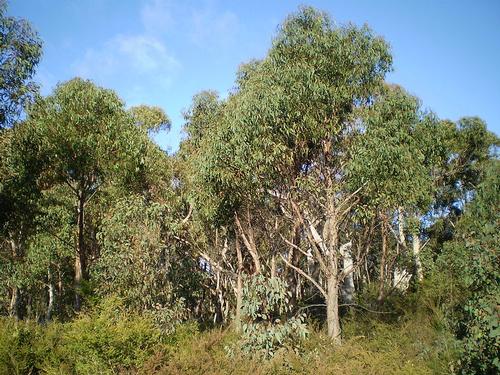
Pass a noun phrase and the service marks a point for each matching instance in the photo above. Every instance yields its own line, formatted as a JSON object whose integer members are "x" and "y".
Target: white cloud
{"x": 202, "y": 22}
{"x": 210, "y": 26}
{"x": 136, "y": 56}
{"x": 146, "y": 53}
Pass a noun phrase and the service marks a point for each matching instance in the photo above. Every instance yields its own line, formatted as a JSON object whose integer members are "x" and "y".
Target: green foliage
{"x": 151, "y": 119}
{"x": 387, "y": 158}
{"x": 83, "y": 132}
{"x": 266, "y": 325}
{"x": 16, "y": 346}
{"x": 20, "y": 52}
{"x": 108, "y": 339}
{"x": 137, "y": 263}
{"x": 471, "y": 260}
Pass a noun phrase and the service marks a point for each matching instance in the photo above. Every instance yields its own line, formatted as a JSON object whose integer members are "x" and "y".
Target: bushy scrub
{"x": 16, "y": 341}
{"x": 104, "y": 341}
{"x": 267, "y": 324}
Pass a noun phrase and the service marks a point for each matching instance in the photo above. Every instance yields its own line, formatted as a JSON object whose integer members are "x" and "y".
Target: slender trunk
{"x": 332, "y": 309}
{"x": 400, "y": 276}
{"x": 249, "y": 242}
{"x": 348, "y": 268}
{"x": 60, "y": 289}
{"x": 50, "y": 305}
{"x": 416, "y": 255}
{"x": 330, "y": 242}
{"x": 80, "y": 253}
{"x": 273, "y": 266}
{"x": 401, "y": 227}
{"x": 383, "y": 261}
{"x": 15, "y": 296}
{"x": 14, "y": 303}
{"x": 239, "y": 289}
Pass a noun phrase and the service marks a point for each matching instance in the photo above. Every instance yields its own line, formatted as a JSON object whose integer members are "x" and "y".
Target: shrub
{"x": 102, "y": 342}
{"x": 266, "y": 326}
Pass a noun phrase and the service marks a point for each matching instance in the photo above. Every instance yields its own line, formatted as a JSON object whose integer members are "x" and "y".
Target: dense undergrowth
{"x": 109, "y": 340}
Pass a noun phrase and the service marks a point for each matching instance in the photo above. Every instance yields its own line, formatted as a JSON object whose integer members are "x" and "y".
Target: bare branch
{"x": 305, "y": 275}
{"x": 185, "y": 220}
{"x": 294, "y": 246}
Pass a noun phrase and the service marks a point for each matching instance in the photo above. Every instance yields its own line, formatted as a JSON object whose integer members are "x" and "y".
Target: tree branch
{"x": 305, "y": 275}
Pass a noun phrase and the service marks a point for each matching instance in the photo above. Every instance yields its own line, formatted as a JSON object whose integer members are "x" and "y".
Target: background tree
{"x": 470, "y": 262}
{"x": 84, "y": 136}
{"x": 20, "y": 52}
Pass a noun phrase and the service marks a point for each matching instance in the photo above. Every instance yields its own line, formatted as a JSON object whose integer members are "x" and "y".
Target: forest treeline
{"x": 317, "y": 219}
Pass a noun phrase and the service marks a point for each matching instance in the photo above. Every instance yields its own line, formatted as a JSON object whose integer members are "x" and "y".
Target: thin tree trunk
{"x": 273, "y": 266}
{"x": 14, "y": 308}
{"x": 332, "y": 309}
{"x": 50, "y": 305}
{"x": 401, "y": 227}
{"x": 239, "y": 288}
{"x": 249, "y": 242}
{"x": 14, "y": 303}
{"x": 416, "y": 255}
{"x": 383, "y": 261}
{"x": 348, "y": 268}
{"x": 80, "y": 253}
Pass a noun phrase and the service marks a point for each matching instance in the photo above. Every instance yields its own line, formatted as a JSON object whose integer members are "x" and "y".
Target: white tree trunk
{"x": 348, "y": 268}
{"x": 50, "y": 305}
{"x": 416, "y": 256}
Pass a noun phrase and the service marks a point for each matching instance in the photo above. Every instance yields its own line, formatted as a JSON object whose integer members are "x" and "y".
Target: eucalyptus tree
{"x": 19, "y": 195}
{"x": 389, "y": 159}
{"x": 284, "y": 138}
{"x": 85, "y": 139}
{"x": 456, "y": 156}
{"x": 469, "y": 264}
{"x": 20, "y": 52}
{"x": 211, "y": 231}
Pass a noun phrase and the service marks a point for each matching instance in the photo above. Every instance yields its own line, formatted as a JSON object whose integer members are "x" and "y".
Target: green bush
{"x": 16, "y": 354}
{"x": 106, "y": 340}
{"x": 266, "y": 325}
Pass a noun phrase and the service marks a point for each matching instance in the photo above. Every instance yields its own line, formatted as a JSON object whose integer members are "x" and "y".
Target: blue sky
{"x": 162, "y": 52}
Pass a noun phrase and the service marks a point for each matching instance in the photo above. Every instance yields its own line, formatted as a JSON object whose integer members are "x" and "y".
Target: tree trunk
{"x": 14, "y": 303}
{"x": 80, "y": 253}
{"x": 249, "y": 242}
{"x": 383, "y": 261}
{"x": 14, "y": 307}
{"x": 416, "y": 256}
{"x": 273, "y": 266}
{"x": 50, "y": 305}
{"x": 348, "y": 268}
{"x": 239, "y": 289}
{"x": 332, "y": 309}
